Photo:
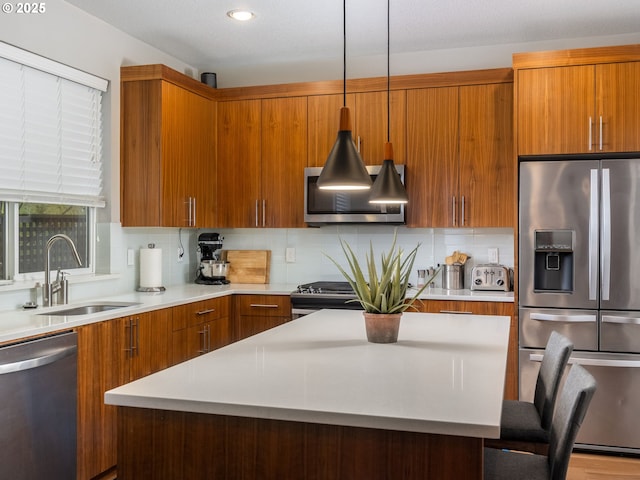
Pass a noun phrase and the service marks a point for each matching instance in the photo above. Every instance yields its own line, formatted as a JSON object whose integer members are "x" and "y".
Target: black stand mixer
{"x": 212, "y": 270}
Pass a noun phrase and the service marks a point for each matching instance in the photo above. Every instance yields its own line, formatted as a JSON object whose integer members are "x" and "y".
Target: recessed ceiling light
{"x": 241, "y": 15}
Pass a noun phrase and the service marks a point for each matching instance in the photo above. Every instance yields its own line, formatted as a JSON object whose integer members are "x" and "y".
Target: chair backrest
{"x": 556, "y": 355}
{"x": 573, "y": 403}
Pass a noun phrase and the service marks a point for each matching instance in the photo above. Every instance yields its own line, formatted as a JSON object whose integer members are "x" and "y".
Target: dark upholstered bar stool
{"x": 573, "y": 403}
{"x": 525, "y": 425}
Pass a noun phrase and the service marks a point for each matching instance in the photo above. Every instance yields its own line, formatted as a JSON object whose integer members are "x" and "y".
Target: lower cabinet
{"x": 199, "y": 327}
{"x": 112, "y": 353}
{"x": 256, "y": 313}
{"x": 506, "y": 309}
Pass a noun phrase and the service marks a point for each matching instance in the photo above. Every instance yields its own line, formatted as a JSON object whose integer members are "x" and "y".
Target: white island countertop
{"x": 445, "y": 375}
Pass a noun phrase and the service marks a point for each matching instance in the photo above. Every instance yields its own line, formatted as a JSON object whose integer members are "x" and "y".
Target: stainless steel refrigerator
{"x": 579, "y": 274}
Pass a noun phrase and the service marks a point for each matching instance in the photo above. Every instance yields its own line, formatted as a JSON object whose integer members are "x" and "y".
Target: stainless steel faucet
{"x": 60, "y": 286}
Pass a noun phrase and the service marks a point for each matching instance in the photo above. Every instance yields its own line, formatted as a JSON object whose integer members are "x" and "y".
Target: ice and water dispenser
{"x": 553, "y": 264}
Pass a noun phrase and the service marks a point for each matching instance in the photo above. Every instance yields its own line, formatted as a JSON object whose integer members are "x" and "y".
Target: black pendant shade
{"x": 388, "y": 187}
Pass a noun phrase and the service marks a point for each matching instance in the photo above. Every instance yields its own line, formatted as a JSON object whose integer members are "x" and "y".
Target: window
{"x": 51, "y": 154}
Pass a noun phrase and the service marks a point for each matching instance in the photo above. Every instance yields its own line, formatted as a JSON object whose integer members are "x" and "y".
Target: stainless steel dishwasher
{"x": 38, "y": 393}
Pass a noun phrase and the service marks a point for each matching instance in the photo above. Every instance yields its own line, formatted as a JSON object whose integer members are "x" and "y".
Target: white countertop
{"x": 17, "y": 324}
{"x": 445, "y": 375}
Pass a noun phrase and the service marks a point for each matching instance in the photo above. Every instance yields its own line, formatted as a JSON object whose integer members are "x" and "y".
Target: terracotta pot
{"x": 382, "y": 327}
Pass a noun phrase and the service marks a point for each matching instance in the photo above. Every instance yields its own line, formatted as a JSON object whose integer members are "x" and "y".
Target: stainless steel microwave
{"x": 322, "y": 207}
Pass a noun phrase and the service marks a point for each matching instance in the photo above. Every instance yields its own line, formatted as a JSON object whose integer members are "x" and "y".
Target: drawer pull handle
{"x": 204, "y": 312}
{"x": 457, "y": 312}
{"x": 263, "y": 305}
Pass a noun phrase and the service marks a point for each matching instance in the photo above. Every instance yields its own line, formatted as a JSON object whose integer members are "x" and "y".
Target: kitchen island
{"x": 313, "y": 399}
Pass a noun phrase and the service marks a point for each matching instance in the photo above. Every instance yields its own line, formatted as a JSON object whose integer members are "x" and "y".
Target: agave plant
{"x": 385, "y": 292}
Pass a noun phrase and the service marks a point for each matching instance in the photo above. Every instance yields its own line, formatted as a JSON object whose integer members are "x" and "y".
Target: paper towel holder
{"x": 150, "y": 289}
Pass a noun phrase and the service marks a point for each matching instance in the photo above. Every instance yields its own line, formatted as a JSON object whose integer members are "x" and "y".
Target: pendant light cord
{"x": 344, "y": 52}
{"x": 388, "y": 74}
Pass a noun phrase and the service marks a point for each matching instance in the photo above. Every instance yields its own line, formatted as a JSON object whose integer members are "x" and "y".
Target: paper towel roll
{"x": 151, "y": 268}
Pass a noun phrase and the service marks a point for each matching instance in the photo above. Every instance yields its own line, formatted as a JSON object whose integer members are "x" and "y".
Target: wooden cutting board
{"x": 248, "y": 266}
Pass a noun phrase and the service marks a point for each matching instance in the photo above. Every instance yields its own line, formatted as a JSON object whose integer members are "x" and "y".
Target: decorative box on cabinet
{"x": 256, "y": 313}
{"x": 578, "y": 101}
{"x": 167, "y": 150}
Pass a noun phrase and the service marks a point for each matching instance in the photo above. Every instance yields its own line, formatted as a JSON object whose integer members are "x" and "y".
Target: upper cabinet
{"x": 369, "y": 122}
{"x": 167, "y": 149}
{"x": 460, "y": 169}
{"x": 262, "y": 152}
{"x": 578, "y": 101}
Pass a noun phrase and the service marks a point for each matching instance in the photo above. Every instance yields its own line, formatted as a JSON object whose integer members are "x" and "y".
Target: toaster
{"x": 491, "y": 277}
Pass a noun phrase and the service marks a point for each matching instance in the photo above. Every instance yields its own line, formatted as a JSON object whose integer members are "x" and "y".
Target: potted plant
{"x": 382, "y": 293}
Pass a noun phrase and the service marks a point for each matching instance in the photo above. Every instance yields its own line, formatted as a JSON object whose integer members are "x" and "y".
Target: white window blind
{"x": 50, "y": 137}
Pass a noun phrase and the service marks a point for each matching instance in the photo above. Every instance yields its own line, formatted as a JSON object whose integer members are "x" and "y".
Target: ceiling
{"x": 199, "y": 33}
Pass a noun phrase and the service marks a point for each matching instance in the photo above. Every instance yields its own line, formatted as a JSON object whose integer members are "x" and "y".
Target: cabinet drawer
{"x": 263, "y": 305}
{"x": 195, "y": 313}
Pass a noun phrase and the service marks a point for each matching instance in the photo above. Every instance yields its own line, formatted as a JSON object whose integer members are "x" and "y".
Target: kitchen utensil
{"x": 453, "y": 277}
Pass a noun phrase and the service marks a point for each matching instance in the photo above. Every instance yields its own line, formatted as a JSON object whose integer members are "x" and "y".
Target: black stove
{"x": 318, "y": 295}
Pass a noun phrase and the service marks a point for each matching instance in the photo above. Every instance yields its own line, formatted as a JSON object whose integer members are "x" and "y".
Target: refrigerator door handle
{"x": 620, "y": 320}
{"x": 594, "y": 362}
{"x": 605, "y": 259}
{"x": 593, "y": 236}
{"x": 549, "y": 317}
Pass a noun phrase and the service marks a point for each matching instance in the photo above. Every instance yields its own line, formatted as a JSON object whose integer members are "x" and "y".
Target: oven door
{"x": 301, "y": 312}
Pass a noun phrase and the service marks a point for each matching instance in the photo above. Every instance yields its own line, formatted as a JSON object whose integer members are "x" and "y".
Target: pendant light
{"x": 344, "y": 168}
{"x": 388, "y": 187}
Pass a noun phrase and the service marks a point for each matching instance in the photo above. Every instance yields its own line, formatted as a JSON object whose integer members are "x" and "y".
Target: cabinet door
{"x": 257, "y": 313}
{"x": 238, "y": 163}
{"x": 618, "y": 104}
{"x": 487, "y": 178}
{"x": 556, "y": 110}
{"x": 100, "y": 368}
{"x": 284, "y": 156}
{"x": 370, "y": 125}
{"x": 149, "y": 347}
{"x": 323, "y": 118}
{"x": 432, "y": 157}
{"x": 202, "y": 178}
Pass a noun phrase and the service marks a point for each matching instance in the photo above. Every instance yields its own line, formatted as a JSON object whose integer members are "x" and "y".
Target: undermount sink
{"x": 89, "y": 309}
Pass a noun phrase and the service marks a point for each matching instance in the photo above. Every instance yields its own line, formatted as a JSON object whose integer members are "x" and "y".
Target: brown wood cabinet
{"x": 578, "y": 101}
{"x": 262, "y": 151}
{"x": 199, "y": 327}
{"x": 369, "y": 121}
{"x": 460, "y": 157}
{"x": 110, "y": 354}
{"x": 167, "y": 151}
{"x": 256, "y": 313}
{"x": 506, "y": 309}
{"x": 100, "y": 347}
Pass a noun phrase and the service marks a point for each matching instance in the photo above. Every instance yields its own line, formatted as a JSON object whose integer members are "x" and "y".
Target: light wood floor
{"x": 603, "y": 467}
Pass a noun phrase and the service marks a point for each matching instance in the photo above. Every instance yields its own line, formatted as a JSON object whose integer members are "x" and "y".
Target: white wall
{"x": 68, "y": 35}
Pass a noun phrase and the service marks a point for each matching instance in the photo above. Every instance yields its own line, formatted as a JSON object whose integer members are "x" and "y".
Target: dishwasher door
{"x": 38, "y": 392}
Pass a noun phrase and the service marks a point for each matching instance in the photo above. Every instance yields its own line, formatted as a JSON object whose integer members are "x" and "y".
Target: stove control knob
{"x": 478, "y": 281}
{"x": 500, "y": 282}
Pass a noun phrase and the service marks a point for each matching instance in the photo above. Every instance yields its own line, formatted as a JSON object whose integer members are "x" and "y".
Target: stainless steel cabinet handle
{"x": 621, "y": 320}
{"x": 454, "y": 207}
{"x": 208, "y": 338}
{"x": 136, "y": 345}
{"x": 462, "y": 210}
{"x": 256, "y": 223}
{"x": 263, "y": 305}
{"x": 593, "y": 235}
{"x": 204, "y": 312}
{"x": 203, "y": 342}
{"x": 548, "y": 317}
{"x": 193, "y": 220}
{"x": 129, "y": 349}
{"x": 264, "y": 210}
{"x": 37, "y": 361}
{"x": 605, "y": 247}
{"x": 590, "y": 134}
{"x": 359, "y": 144}
{"x": 457, "y": 312}
{"x": 600, "y": 132}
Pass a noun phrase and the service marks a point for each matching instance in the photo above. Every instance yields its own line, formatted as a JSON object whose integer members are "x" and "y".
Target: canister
{"x": 453, "y": 277}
